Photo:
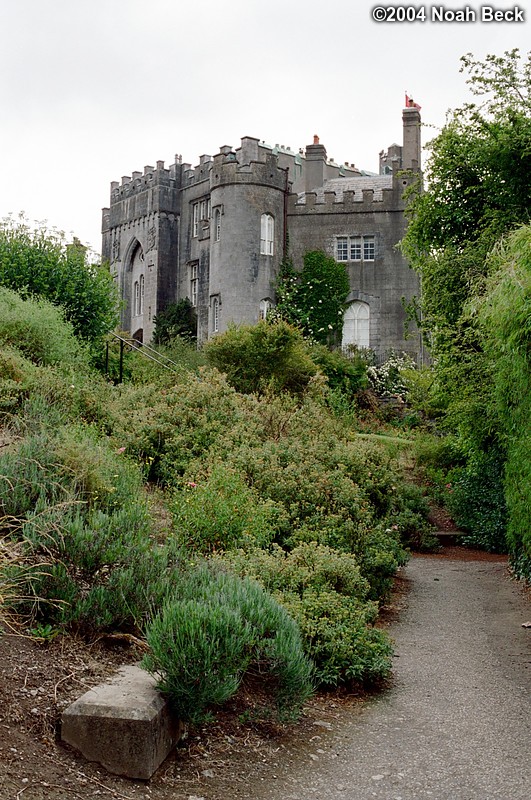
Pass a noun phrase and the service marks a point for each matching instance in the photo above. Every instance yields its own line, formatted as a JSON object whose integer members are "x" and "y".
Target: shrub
{"x": 326, "y": 594}
{"x": 209, "y": 634}
{"x": 266, "y": 356}
{"x": 221, "y": 512}
{"x": 476, "y": 501}
{"x": 38, "y": 330}
{"x": 339, "y": 637}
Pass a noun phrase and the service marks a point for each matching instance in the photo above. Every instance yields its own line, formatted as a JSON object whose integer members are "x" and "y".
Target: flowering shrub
{"x": 387, "y": 380}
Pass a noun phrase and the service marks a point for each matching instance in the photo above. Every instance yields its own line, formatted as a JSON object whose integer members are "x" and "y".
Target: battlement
{"x": 150, "y": 177}
{"x": 227, "y": 169}
{"x": 358, "y": 194}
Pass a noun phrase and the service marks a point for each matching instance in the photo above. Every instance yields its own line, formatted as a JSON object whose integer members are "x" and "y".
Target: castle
{"x": 217, "y": 233}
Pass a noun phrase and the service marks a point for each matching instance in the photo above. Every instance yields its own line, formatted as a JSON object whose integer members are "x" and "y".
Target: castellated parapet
{"x": 217, "y": 233}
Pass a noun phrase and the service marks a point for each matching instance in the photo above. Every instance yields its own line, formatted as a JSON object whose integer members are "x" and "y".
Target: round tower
{"x": 247, "y": 240}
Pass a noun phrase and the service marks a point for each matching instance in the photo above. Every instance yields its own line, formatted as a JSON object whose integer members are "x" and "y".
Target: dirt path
{"x": 455, "y": 725}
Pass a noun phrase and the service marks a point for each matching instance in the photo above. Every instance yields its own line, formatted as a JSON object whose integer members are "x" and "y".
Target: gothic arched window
{"x": 356, "y": 324}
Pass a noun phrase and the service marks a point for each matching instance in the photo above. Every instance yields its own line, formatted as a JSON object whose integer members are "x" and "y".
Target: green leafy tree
{"x": 478, "y": 189}
{"x": 177, "y": 319}
{"x": 39, "y": 262}
{"x": 314, "y": 298}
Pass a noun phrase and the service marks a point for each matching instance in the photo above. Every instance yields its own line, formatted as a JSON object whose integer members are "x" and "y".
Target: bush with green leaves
{"x": 477, "y": 503}
{"x": 177, "y": 320}
{"x": 40, "y": 263}
{"x": 387, "y": 379}
{"x": 38, "y": 330}
{"x": 326, "y": 594}
{"x": 215, "y": 629}
{"x": 505, "y": 319}
{"x": 269, "y": 356}
{"x": 77, "y": 508}
{"x": 221, "y": 512}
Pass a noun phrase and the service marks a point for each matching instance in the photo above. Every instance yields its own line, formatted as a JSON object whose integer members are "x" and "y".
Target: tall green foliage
{"x": 505, "y": 320}
{"x": 478, "y": 188}
{"x": 314, "y": 298}
{"x": 38, "y": 262}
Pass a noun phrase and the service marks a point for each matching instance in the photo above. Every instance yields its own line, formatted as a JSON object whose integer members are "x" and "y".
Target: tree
{"x": 39, "y": 262}
{"x": 478, "y": 189}
{"x": 177, "y": 319}
{"x": 314, "y": 299}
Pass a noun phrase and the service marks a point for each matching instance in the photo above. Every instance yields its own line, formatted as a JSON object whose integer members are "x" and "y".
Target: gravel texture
{"x": 457, "y": 722}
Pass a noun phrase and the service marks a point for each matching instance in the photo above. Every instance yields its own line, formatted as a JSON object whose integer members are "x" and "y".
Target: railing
{"x": 144, "y": 349}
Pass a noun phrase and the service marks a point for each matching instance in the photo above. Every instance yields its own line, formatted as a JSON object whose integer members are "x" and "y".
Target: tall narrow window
{"x": 368, "y": 248}
{"x": 217, "y": 225}
{"x": 141, "y": 295}
{"x": 136, "y": 299}
{"x": 342, "y": 248}
{"x": 267, "y": 234}
{"x": 193, "y": 284}
{"x": 215, "y": 315}
{"x": 265, "y": 307}
{"x": 355, "y": 248}
{"x": 195, "y": 219}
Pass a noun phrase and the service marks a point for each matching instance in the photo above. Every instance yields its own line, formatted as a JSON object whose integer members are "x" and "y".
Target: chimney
{"x": 411, "y": 147}
{"x": 315, "y": 165}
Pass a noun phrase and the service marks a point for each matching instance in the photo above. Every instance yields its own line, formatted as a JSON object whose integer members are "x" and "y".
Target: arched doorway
{"x": 356, "y": 325}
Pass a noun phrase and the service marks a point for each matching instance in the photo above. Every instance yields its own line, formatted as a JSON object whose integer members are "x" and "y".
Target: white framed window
{"x": 136, "y": 298}
{"x": 368, "y": 248}
{"x": 342, "y": 248}
{"x": 193, "y": 284}
{"x": 195, "y": 219}
{"x": 267, "y": 234}
{"x": 356, "y": 321}
{"x": 217, "y": 225}
{"x": 265, "y": 307}
{"x": 215, "y": 315}
{"x": 355, "y": 248}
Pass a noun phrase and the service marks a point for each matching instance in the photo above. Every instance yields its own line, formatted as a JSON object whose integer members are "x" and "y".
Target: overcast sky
{"x": 95, "y": 89}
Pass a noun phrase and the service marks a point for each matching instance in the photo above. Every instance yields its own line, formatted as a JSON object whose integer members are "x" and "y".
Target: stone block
{"x": 125, "y": 725}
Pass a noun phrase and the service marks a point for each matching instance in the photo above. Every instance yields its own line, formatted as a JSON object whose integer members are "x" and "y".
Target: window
{"x": 215, "y": 315}
{"x": 356, "y": 325}
{"x": 136, "y": 299}
{"x": 204, "y": 209}
{"x": 217, "y": 225}
{"x": 267, "y": 234}
{"x": 355, "y": 248}
{"x": 265, "y": 307}
{"x": 193, "y": 284}
{"x": 195, "y": 219}
{"x": 342, "y": 248}
{"x": 368, "y": 248}
{"x": 141, "y": 295}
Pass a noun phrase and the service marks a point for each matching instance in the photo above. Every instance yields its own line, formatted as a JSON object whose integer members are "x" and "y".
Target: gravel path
{"x": 457, "y": 723}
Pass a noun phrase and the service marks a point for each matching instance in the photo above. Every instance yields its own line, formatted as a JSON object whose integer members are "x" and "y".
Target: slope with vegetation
{"x": 280, "y": 531}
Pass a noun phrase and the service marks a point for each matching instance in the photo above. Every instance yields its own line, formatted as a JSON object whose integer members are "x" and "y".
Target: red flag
{"x": 410, "y": 103}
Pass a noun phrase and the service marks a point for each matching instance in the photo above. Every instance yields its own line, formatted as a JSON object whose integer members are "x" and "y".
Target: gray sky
{"x": 95, "y": 89}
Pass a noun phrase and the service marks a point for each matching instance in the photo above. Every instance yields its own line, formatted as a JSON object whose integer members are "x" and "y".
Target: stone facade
{"x": 217, "y": 233}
